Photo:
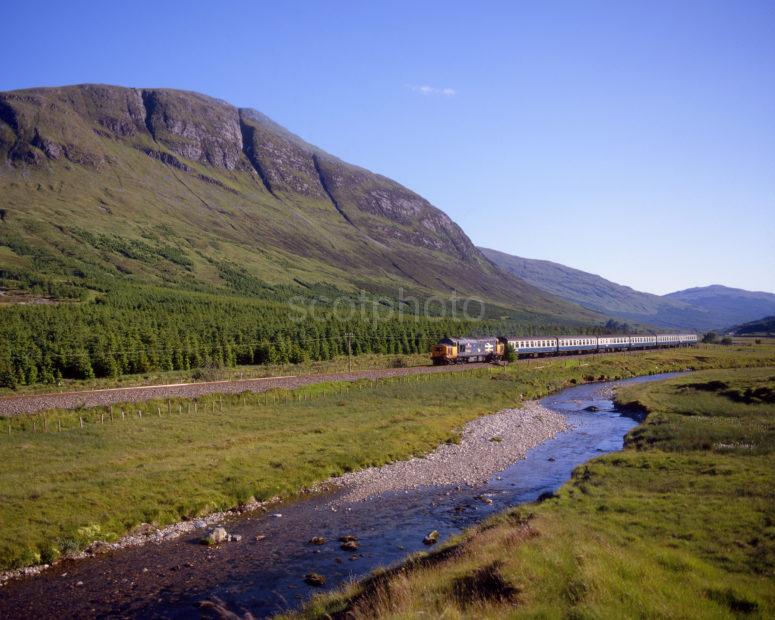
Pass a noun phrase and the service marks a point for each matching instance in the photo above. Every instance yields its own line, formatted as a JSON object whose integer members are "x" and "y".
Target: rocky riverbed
{"x": 487, "y": 445}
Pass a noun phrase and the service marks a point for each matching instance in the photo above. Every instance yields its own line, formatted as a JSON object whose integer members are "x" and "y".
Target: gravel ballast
{"x": 487, "y": 445}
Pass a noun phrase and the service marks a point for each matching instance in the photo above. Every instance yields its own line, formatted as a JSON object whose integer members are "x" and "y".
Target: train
{"x": 492, "y": 349}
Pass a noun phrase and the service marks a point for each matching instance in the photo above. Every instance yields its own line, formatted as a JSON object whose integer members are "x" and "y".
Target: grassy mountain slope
{"x": 102, "y": 184}
{"x": 601, "y": 295}
{"x": 728, "y": 306}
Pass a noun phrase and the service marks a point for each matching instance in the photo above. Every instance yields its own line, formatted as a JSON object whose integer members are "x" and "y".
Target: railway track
{"x": 32, "y": 403}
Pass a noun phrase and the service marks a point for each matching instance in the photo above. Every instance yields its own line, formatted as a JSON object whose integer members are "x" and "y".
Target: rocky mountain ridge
{"x": 220, "y": 184}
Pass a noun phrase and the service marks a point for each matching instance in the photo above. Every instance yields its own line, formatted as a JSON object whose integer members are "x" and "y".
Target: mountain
{"x": 104, "y": 184}
{"x": 600, "y": 295}
{"x": 761, "y": 327}
{"x": 728, "y": 306}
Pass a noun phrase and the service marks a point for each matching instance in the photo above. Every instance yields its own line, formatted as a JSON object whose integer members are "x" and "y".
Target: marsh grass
{"x": 676, "y": 525}
{"x": 168, "y": 460}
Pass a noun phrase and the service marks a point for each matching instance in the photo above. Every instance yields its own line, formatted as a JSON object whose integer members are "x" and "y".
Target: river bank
{"x": 677, "y": 524}
{"x": 162, "y": 469}
{"x": 264, "y": 572}
{"x": 486, "y": 446}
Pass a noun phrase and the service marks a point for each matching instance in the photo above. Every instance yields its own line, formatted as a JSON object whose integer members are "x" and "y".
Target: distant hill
{"x": 727, "y": 306}
{"x": 104, "y": 184}
{"x": 762, "y": 327}
{"x": 601, "y": 295}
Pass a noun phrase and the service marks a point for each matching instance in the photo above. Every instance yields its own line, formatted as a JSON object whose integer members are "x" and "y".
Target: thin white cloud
{"x": 425, "y": 89}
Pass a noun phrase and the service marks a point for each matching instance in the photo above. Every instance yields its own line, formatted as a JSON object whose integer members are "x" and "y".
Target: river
{"x": 266, "y": 576}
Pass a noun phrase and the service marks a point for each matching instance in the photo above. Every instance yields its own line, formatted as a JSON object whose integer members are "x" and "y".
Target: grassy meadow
{"x": 72, "y": 477}
{"x": 681, "y": 523}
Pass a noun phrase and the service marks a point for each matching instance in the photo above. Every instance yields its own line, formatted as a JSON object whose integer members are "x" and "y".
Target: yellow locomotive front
{"x": 443, "y": 354}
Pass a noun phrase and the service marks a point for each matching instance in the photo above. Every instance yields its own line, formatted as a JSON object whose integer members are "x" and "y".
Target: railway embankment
{"x": 31, "y": 403}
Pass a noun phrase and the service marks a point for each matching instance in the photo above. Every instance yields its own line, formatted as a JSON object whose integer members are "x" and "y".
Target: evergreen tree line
{"x": 121, "y": 335}
{"x": 133, "y": 330}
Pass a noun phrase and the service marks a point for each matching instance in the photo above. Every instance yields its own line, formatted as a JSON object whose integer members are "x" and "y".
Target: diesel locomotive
{"x": 490, "y": 349}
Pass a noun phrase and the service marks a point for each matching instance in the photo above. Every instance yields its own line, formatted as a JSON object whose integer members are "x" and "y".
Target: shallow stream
{"x": 267, "y": 576}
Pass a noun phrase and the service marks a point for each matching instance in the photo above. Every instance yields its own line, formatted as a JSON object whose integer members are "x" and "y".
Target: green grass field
{"x": 61, "y": 489}
{"x": 679, "y": 524}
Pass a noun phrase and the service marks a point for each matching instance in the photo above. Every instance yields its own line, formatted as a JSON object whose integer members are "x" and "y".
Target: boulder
{"x": 432, "y": 538}
{"x": 349, "y": 545}
{"x": 345, "y": 539}
{"x": 98, "y": 547}
{"x": 317, "y": 540}
{"x": 216, "y": 536}
{"x": 314, "y": 579}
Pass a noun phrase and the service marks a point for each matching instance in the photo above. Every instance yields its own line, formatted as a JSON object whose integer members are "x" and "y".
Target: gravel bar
{"x": 32, "y": 403}
{"x": 487, "y": 446}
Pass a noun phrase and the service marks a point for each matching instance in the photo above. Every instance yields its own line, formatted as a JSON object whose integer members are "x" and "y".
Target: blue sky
{"x": 635, "y": 140}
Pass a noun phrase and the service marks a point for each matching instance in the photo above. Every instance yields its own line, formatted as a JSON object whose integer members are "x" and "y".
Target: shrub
{"x": 511, "y": 354}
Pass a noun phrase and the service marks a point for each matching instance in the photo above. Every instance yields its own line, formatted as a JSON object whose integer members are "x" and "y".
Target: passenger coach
{"x": 460, "y": 350}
